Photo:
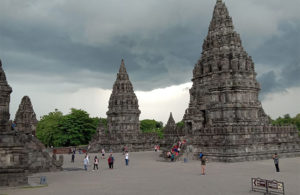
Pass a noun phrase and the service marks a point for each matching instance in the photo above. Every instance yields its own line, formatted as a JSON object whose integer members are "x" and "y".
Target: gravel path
{"x": 145, "y": 175}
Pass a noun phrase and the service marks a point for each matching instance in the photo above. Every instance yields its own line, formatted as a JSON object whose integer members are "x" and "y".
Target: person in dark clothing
{"x": 111, "y": 161}
{"x": 73, "y": 157}
{"x": 276, "y": 162}
{"x": 96, "y": 162}
{"x": 203, "y": 164}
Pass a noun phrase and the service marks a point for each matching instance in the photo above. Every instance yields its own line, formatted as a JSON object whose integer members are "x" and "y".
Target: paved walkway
{"x": 145, "y": 175}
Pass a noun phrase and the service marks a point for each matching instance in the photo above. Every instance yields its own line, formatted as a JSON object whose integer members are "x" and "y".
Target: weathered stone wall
{"x": 13, "y": 159}
{"x": 242, "y": 143}
{"x": 134, "y": 142}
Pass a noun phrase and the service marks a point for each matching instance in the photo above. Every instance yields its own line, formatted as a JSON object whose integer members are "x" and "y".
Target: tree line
{"x": 77, "y": 127}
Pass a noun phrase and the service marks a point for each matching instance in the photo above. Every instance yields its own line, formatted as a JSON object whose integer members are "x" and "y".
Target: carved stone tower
{"x": 170, "y": 126}
{"x": 225, "y": 90}
{"x": 25, "y": 118}
{"x": 13, "y": 157}
{"x": 123, "y": 109}
{"x": 4, "y": 100}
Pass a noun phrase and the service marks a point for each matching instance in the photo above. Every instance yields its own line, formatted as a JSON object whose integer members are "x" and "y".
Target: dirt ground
{"x": 145, "y": 175}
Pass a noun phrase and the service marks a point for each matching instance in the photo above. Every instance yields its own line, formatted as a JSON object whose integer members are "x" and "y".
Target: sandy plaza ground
{"x": 146, "y": 175}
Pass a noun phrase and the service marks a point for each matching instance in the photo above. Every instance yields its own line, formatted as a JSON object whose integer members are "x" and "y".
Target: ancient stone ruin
{"x": 13, "y": 157}
{"x": 40, "y": 159}
{"x": 21, "y": 152}
{"x": 25, "y": 118}
{"x": 170, "y": 127}
{"x": 123, "y": 109}
{"x": 123, "y": 125}
{"x": 225, "y": 119}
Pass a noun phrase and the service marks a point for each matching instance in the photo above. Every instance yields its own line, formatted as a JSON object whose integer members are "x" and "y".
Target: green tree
{"x": 152, "y": 126}
{"x": 47, "y": 128}
{"x": 75, "y": 128}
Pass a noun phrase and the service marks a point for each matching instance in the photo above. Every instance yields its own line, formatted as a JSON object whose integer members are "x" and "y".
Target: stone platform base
{"x": 13, "y": 179}
{"x": 116, "y": 142}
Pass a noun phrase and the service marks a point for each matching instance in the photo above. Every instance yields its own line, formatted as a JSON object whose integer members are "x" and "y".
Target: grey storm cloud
{"x": 282, "y": 54}
{"x": 83, "y": 42}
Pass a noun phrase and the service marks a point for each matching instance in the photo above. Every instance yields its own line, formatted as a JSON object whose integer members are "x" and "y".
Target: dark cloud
{"x": 82, "y": 43}
{"x": 282, "y": 54}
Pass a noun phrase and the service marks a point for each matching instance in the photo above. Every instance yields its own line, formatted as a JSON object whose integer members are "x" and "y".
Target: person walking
{"x": 203, "y": 164}
{"x": 103, "y": 153}
{"x": 126, "y": 158}
{"x": 96, "y": 162}
{"x": 111, "y": 161}
{"x": 73, "y": 157}
{"x": 276, "y": 162}
{"x": 86, "y": 162}
{"x": 172, "y": 157}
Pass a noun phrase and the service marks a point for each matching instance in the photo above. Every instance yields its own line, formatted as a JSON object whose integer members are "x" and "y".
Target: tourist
{"x": 203, "y": 164}
{"x": 111, "y": 161}
{"x": 126, "y": 158}
{"x": 73, "y": 157}
{"x": 86, "y": 162}
{"x": 96, "y": 162}
{"x": 172, "y": 156}
{"x": 169, "y": 154}
{"x": 103, "y": 153}
{"x": 155, "y": 148}
{"x": 276, "y": 161}
{"x": 200, "y": 155}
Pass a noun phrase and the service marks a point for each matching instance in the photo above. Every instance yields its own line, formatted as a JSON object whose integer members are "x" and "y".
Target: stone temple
{"x": 123, "y": 109}
{"x": 21, "y": 153}
{"x": 225, "y": 118}
{"x": 123, "y": 125}
{"x": 39, "y": 159}
{"x": 13, "y": 157}
{"x": 25, "y": 118}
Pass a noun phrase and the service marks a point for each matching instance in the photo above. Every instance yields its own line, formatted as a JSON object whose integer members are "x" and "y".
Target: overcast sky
{"x": 65, "y": 54}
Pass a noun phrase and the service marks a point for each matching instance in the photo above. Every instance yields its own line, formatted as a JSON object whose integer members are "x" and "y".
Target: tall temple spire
{"x": 5, "y": 91}
{"x": 220, "y": 18}
{"x": 2, "y": 75}
{"x": 225, "y": 75}
{"x": 122, "y": 69}
{"x": 123, "y": 109}
{"x": 171, "y": 121}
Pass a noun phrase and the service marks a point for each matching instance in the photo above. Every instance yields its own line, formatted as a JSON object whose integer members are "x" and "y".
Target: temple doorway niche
{"x": 204, "y": 115}
{"x": 189, "y": 126}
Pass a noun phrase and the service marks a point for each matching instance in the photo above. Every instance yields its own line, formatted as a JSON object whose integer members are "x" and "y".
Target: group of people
{"x": 175, "y": 150}
{"x": 110, "y": 160}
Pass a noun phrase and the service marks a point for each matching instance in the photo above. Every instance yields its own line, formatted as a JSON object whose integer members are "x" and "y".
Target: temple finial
{"x": 122, "y": 67}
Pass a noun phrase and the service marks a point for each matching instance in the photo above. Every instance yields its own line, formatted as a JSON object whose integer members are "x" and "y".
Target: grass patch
{"x": 33, "y": 187}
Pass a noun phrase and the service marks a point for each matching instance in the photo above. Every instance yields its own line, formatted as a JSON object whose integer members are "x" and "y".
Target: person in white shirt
{"x": 86, "y": 162}
{"x": 126, "y": 158}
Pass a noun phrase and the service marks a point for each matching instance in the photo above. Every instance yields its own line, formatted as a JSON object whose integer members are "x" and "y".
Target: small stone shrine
{"x": 13, "y": 157}
{"x": 170, "y": 127}
{"x": 25, "y": 118}
{"x": 123, "y": 125}
{"x": 224, "y": 119}
{"x": 40, "y": 159}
